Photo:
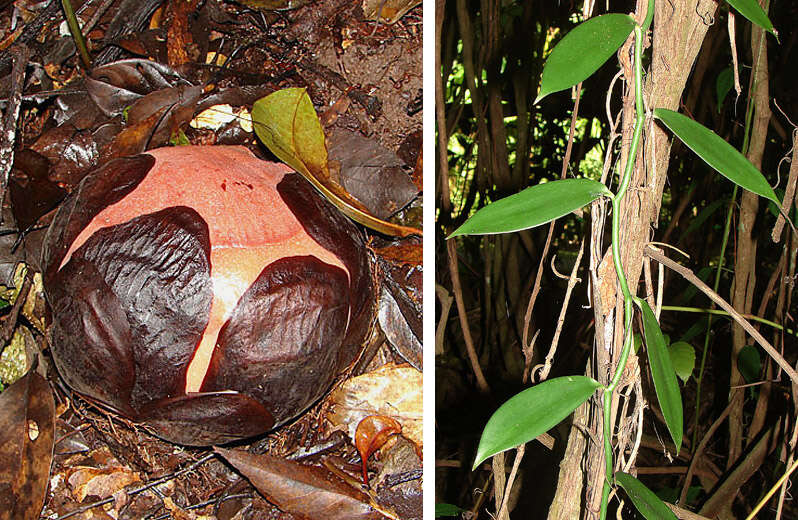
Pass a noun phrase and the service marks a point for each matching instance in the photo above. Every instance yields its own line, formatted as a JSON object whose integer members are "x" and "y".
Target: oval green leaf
{"x": 583, "y": 50}
{"x": 532, "y": 207}
{"x": 717, "y": 153}
{"x": 749, "y": 363}
{"x": 682, "y": 358}
{"x": 665, "y": 384}
{"x": 533, "y": 412}
{"x": 755, "y": 14}
{"x": 649, "y": 504}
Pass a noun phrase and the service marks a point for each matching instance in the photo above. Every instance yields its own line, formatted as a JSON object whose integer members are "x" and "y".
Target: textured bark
{"x": 745, "y": 258}
{"x": 678, "y": 31}
{"x": 567, "y": 502}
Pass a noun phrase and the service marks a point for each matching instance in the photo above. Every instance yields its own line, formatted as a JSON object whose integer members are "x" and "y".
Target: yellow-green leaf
{"x": 583, "y": 50}
{"x": 533, "y": 412}
{"x": 286, "y": 122}
{"x": 717, "y": 153}
{"x": 532, "y": 207}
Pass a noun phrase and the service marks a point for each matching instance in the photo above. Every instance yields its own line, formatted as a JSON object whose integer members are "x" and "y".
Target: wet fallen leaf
{"x": 117, "y": 85}
{"x": 27, "y": 429}
{"x": 397, "y": 328}
{"x": 392, "y": 390}
{"x": 371, "y": 434}
{"x": 32, "y": 193}
{"x": 398, "y": 483}
{"x": 371, "y": 173}
{"x": 287, "y": 124}
{"x": 307, "y": 491}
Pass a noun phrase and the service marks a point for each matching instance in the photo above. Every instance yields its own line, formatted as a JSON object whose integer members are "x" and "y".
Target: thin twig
{"x": 457, "y": 288}
{"x": 20, "y": 55}
{"x": 139, "y": 489}
{"x": 688, "y": 275}
{"x": 699, "y": 449}
{"x": 546, "y": 368}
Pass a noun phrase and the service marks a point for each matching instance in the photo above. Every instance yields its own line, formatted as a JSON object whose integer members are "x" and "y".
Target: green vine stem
{"x": 77, "y": 35}
{"x": 616, "y": 257}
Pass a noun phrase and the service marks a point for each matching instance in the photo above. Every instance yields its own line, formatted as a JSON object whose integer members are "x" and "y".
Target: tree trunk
{"x": 678, "y": 31}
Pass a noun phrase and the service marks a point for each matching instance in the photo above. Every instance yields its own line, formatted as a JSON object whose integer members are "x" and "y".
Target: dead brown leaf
{"x": 27, "y": 430}
{"x": 306, "y": 491}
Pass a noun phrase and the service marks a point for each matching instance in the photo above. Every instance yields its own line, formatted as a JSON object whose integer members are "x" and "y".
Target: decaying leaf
{"x": 27, "y": 430}
{"x": 307, "y": 491}
{"x": 100, "y": 482}
{"x": 371, "y": 434}
{"x": 371, "y": 173}
{"x": 32, "y": 193}
{"x": 392, "y": 390}
{"x": 397, "y": 329}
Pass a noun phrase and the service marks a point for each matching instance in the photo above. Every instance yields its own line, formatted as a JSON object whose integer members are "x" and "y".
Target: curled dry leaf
{"x": 371, "y": 434}
{"x": 371, "y": 173}
{"x": 100, "y": 482}
{"x": 393, "y": 391}
{"x": 306, "y": 491}
{"x": 27, "y": 430}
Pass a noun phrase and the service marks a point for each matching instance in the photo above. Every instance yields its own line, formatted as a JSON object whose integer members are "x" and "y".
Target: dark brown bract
{"x": 203, "y": 292}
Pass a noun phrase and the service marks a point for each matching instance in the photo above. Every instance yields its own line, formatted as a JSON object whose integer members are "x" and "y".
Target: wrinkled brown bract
{"x": 131, "y": 303}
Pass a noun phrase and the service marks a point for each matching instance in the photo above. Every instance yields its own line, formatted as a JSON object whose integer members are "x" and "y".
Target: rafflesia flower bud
{"x": 203, "y": 292}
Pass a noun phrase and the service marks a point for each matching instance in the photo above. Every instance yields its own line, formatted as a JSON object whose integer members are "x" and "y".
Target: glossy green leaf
{"x": 717, "y": 153}
{"x": 749, "y": 363}
{"x": 649, "y": 504}
{"x": 754, "y": 12}
{"x": 533, "y": 412}
{"x": 532, "y": 207}
{"x": 723, "y": 84}
{"x": 668, "y": 395}
{"x": 682, "y": 358}
{"x": 583, "y": 50}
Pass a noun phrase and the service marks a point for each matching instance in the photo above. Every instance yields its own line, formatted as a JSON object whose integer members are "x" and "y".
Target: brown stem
{"x": 688, "y": 275}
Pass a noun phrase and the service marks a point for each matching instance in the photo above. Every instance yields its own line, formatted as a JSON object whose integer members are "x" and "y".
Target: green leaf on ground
{"x": 532, "y": 207}
{"x": 649, "y": 504}
{"x": 532, "y": 412}
{"x": 583, "y": 50}
{"x": 665, "y": 384}
{"x": 717, "y": 153}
